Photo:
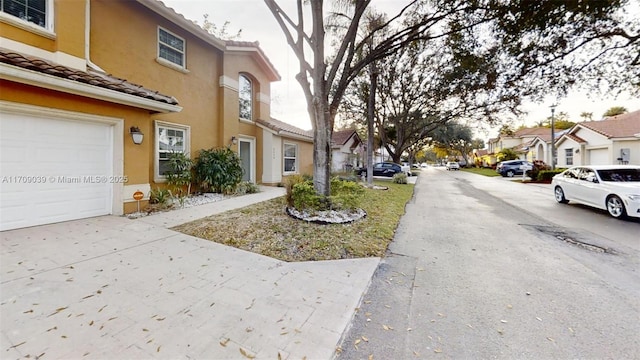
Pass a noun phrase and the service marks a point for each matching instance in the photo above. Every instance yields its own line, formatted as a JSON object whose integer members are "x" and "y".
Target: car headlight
{"x": 634, "y": 197}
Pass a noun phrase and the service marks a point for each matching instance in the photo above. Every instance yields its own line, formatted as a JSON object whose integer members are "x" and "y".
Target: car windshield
{"x": 620, "y": 175}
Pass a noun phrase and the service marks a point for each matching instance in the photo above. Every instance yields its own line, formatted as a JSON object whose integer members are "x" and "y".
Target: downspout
{"x": 87, "y": 37}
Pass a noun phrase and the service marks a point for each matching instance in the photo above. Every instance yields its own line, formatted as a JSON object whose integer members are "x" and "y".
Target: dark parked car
{"x": 512, "y": 167}
{"x": 384, "y": 169}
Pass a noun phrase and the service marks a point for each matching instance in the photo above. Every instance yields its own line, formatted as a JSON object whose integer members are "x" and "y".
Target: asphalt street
{"x": 487, "y": 268}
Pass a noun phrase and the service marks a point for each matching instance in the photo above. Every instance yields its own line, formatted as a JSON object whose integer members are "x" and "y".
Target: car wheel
{"x": 510, "y": 173}
{"x": 559, "y": 195}
{"x": 615, "y": 207}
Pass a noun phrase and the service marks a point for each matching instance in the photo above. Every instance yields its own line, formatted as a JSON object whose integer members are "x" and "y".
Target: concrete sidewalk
{"x": 114, "y": 288}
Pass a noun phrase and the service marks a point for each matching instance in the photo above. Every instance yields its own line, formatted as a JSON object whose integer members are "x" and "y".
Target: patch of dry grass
{"x": 264, "y": 228}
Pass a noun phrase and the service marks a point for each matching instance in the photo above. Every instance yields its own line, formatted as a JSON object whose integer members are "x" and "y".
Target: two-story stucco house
{"x": 77, "y": 83}
{"x": 613, "y": 140}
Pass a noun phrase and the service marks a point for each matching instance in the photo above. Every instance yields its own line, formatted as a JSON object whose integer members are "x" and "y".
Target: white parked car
{"x": 452, "y": 165}
{"x": 615, "y": 188}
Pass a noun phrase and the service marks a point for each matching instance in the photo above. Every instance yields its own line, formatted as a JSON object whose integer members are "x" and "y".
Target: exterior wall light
{"x": 136, "y": 135}
{"x": 234, "y": 140}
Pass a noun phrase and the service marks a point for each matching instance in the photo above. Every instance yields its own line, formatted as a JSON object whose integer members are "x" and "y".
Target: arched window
{"x": 245, "y": 95}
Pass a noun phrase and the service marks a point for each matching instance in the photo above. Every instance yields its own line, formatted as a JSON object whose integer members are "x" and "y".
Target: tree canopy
{"x": 505, "y": 51}
{"x": 616, "y": 110}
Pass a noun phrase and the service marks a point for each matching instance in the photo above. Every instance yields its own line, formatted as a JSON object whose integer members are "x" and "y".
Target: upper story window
{"x": 245, "y": 92}
{"x": 171, "y": 48}
{"x": 32, "y": 11}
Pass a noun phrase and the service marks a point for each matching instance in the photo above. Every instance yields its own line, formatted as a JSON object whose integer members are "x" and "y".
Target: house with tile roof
{"x": 529, "y": 143}
{"x": 613, "y": 140}
{"x": 79, "y": 85}
{"x": 289, "y": 143}
{"x": 347, "y": 151}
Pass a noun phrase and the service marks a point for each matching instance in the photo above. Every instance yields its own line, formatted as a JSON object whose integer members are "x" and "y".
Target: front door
{"x": 246, "y": 154}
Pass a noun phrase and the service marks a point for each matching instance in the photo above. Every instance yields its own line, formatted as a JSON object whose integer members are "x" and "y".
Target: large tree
{"x": 502, "y": 42}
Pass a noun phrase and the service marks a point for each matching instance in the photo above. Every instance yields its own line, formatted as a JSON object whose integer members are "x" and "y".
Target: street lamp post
{"x": 553, "y": 140}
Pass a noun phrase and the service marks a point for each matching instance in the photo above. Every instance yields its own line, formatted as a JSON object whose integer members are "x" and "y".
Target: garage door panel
{"x": 67, "y": 155}
{"x": 599, "y": 157}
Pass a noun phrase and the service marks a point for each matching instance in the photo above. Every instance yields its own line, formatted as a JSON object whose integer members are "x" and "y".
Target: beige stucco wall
{"x": 67, "y": 35}
{"x": 129, "y": 50}
{"x": 561, "y": 153}
{"x": 632, "y": 145}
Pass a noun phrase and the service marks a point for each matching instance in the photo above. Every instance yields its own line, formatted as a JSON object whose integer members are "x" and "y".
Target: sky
{"x": 287, "y": 100}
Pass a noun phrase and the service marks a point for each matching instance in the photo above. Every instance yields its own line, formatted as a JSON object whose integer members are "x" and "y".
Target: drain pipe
{"x": 87, "y": 37}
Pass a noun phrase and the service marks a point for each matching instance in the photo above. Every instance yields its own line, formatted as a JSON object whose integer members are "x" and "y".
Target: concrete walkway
{"x": 114, "y": 288}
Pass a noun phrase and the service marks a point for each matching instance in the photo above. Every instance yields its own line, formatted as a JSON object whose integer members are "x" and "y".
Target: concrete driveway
{"x": 110, "y": 287}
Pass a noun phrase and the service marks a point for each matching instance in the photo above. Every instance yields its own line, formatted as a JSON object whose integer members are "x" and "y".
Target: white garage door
{"x": 599, "y": 157}
{"x": 52, "y": 170}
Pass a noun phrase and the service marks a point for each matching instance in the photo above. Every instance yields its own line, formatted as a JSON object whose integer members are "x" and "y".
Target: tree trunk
{"x": 373, "y": 77}
{"x": 322, "y": 151}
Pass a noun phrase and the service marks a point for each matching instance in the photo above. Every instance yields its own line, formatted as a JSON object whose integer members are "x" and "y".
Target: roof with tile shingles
{"x": 280, "y": 126}
{"x": 87, "y": 77}
{"x": 341, "y": 137}
{"x": 619, "y": 126}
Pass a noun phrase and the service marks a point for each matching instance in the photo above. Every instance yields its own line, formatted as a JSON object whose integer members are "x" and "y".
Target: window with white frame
{"x": 170, "y": 138}
{"x": 245, "y": 98}
{"x": 171, "y": 47}
{"x": 568, "y": 154}
{"x": 290, "y": 158}
{"x": 31, "y": 11}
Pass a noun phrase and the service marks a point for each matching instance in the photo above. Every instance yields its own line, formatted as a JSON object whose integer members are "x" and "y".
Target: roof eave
{"x": 46, "y": 81}
{"x": 272, "y": 73}
{"x": 168, "y": 13}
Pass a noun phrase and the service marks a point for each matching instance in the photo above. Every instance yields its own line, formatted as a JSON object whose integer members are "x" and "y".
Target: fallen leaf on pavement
{"x": 437, "y": 351}
{"x": 224, "y": 342}
{"x": 246, "y": 354}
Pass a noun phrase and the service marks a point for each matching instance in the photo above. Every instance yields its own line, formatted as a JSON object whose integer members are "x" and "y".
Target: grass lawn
{"x": 264, "y": 228}
{"x": 481, "y": 171}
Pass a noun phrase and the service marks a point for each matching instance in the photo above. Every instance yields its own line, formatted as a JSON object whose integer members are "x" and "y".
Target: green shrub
{"x": 400, "y": 178}
{"x": 180, "y": 173}
{"x": 305, "y": 198}
{"x": 345, "y": 194}
{"x": 538, "y": 166}
{"x": 547, "y": 175}
{"x": 218, "y": 170}
{"x": 247, "y": 187}
{"x": 160, "y": 197}
{"x": 301, "y": 194}
{"x": 289, "y": 183}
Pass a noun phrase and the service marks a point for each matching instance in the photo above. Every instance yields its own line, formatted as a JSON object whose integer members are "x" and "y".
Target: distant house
{"x": 529, "y": 143}
{"x": 346, "y": 150}
{"x": 478, "y": 156}
{"x": 614, "y": 140}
